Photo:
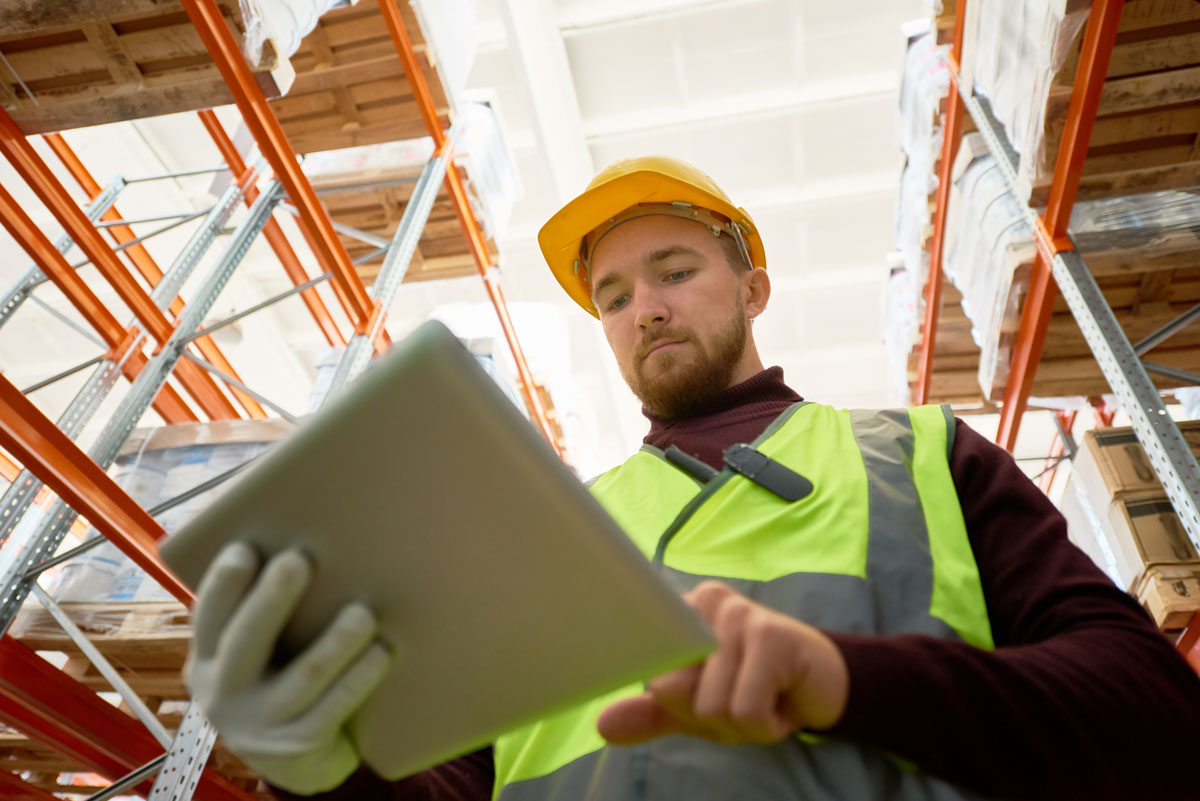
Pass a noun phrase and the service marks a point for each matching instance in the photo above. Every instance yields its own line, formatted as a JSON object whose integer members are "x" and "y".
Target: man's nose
{"x": 650, "y": 310}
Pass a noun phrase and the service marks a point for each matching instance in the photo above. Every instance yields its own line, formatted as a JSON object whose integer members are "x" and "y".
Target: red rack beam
{"x": 1189, "y": 643}
{"x": 46, "y": 186}
{"x": 48, "y": 453}
{"x": 274, "y": 235}
{"x": 14, "y": 789}
{"x": 59, "y": 712}
{"x": 273, "y": 143}
{"x": 466, "y": 217}
{"x": 1051, "y": 231}
{"x": 145, "y": 263}
{"x": 951, "y": 139}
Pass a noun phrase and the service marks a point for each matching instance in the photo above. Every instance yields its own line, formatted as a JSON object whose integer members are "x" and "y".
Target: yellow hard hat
{"x": 620, "y": 186}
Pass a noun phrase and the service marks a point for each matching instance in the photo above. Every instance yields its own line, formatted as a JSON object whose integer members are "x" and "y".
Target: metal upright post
{"x": 395, "y": 264}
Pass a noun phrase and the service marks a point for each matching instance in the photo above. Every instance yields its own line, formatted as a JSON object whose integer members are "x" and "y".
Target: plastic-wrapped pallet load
{"x": 1118, "y": 513}
{"x": 368, "y": 188}
{"x": 155, "y": 465}
{"x": 990, "y": 250}
{"x": 1025, "y": 58}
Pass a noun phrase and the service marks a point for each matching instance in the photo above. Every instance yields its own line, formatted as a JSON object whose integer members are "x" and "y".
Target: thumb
{"x": 637, "y": 720}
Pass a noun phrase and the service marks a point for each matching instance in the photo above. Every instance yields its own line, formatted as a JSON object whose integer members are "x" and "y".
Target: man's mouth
{"x": 660, "y": 346}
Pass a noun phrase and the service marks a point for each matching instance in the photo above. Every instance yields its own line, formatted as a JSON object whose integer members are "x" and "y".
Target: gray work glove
{"x": 285, "y": 723}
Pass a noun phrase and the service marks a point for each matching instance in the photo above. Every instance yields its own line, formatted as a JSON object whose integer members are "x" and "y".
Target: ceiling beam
{"x": 540, "y": 57}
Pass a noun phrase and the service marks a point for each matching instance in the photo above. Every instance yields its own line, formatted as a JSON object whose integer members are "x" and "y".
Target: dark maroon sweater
{"x": 1082, "y": 698}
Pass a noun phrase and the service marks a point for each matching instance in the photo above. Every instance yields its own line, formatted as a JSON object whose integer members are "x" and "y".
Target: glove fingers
{"x": 309, "y": 676}
{"x": 250, "y": 637}
{"x": 221, "y": 590}
{"x": 347, "y": 694}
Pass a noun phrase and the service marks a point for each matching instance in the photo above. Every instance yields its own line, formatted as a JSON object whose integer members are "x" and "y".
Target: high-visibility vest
{"x": 877, "y": 547}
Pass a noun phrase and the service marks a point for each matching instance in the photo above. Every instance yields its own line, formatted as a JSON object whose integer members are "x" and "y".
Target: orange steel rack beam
{"x": 951, "y": 138}
{"x": 46, "y": 186}
{"x": 470, "y": 225}
{"x": 273, "y": 142}
{"x": 1051, "y": 230}
{"x": 145, "y": 263}
{"x": 274, "y": 234}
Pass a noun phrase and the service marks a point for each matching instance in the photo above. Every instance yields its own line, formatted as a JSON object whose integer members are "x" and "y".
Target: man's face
{"x": 673, "y": 311}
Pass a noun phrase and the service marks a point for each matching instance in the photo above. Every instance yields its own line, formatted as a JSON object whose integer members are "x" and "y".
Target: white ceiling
{"x": 789, "y": 104}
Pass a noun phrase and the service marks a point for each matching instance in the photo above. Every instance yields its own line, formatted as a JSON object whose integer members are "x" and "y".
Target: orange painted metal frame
{"x": 46, "y": 186}
{"x": 274, "y": 234}
{"x": 462, "y": 206}
{"x": 37, "y": 443}
{"x": 951, "y": 139}
{"x": 1051, "y": 231}
{"x": 146, "y": 264}
{"x": 41, "y": 700}
{"x": 1057, "y": 449}
{"x": 55, "y": 267}
{"x": 273, "y": 143}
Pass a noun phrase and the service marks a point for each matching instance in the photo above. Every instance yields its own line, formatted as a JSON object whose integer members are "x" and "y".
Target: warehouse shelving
{"x": 35, "y": 697}
{"x": 1060, "y": 268}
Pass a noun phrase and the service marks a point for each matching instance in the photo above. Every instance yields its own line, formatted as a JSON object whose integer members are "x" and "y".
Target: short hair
{"x": 733, "y": 255}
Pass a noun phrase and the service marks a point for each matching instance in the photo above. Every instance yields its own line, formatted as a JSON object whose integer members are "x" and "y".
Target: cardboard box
{"x": 1111, "y": 463}
{"x": 1142, "y": 530}
{"x": 1170, "y": 593}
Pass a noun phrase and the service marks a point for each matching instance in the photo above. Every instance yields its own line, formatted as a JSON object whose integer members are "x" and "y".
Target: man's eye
{"x": 619, "y": 301}
{"x": 678, "y": 275}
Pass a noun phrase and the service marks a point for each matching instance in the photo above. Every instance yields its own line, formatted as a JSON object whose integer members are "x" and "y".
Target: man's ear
{"x": 756, "y": 285}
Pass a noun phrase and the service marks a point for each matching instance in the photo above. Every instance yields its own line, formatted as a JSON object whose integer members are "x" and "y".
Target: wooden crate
{"x": 374, "y": 200}
{"x": 89, "y": 62}
{"x": 147, "y": 643}
{"x": 350, "y": 87}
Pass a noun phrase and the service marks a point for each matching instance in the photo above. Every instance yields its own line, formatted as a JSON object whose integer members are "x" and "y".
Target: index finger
{"x": 221, "y": 591}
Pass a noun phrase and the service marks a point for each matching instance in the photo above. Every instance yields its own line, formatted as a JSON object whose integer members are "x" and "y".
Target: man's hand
{"x": 285, "y": 723}
{"x": 770, "y": 675}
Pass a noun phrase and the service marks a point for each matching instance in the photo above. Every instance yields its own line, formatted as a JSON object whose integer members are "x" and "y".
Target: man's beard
{"x": 690, "y": 389}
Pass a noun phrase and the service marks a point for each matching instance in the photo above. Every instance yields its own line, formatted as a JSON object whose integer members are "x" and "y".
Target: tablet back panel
{"x": 503, "y": 588}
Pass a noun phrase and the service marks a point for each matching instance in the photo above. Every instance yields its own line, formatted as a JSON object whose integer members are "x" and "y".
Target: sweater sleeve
{"x": 1082, "y": 698}
{"x": 468, "y": 778}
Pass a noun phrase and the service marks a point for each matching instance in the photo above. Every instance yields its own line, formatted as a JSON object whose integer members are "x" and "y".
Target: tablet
{"x": 503, "y": 588}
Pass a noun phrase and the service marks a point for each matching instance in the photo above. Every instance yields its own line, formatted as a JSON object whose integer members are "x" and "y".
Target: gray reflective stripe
{"x": 688, "y": 768}
{"x": 899, "y": 562}
{"x": 829, "y": 601}
{"x": 951, "y": 429}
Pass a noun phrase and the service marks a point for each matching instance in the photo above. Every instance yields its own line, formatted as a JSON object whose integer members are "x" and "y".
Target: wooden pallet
{"x": 147, "y": 643}
{"x": 1144, "y": 292}
{"x": 1147, "y": 133}
{"x": 350, "y": 87}
{"x": 374, "y": 200}
{"x": 88, "y": 62}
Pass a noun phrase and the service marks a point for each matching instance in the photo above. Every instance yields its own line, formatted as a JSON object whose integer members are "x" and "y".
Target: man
{"x": 899, "y": 612}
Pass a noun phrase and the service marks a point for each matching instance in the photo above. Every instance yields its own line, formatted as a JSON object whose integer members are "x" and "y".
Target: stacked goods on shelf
{"x": 87, "y": 62}
{"x": 1024, "y": 56}
{"x": 1143, "y": 250}
{"x": 141, "y": 629}
{"x": 923, "y": 94}
{"x": 351, "y": 88}
{"x": 1118, "y": 513}
{"x": 368, "y": 188}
